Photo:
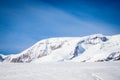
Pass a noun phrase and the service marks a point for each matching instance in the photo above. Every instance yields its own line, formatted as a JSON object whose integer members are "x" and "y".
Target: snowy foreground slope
{"x": 61, "y": 71}
{"x": 93, "y": 48}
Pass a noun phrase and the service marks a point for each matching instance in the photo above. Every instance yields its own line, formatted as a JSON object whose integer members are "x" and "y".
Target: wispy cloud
{"x": 30, "y": 21}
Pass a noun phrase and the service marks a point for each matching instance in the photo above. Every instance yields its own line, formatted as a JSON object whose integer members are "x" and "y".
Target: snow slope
{"x": 61, "y": 71}
{"x": 103, "y": 51}
{"x": 93, "y": 48}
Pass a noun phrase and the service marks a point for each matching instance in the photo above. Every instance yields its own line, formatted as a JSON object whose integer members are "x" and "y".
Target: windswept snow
{"x": 61, "y": 71}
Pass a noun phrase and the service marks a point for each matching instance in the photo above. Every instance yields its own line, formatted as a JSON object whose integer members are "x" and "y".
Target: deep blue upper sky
{"x": 24, "y": 22}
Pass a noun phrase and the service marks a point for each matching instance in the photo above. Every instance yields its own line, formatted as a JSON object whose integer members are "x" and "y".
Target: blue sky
{"x": 24, "y": 22}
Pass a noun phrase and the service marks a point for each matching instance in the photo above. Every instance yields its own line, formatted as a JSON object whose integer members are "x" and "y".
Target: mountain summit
{"x": 93, "y": 48}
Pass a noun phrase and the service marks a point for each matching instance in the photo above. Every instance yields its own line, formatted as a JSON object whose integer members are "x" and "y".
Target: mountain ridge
{"x": 92, "y": 48}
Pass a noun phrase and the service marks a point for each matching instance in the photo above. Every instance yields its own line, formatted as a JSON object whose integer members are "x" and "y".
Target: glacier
{"x": 92, "y": 48}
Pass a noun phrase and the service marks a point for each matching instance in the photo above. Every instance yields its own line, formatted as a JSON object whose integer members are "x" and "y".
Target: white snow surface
{"x": 61, "y": 71}
{"x": 91, "y": 48}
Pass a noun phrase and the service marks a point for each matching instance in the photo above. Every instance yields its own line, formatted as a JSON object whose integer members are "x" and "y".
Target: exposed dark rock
{"x": 55, "y": 47}
{"x": 104, "y": 39}
{"x": 1, "y": 58}
{"x": 117, "y": 58}
{"x": 78, "y": 49}
{"x": 100, "y": 61}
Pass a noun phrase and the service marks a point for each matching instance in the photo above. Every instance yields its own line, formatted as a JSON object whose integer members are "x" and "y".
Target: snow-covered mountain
{"x": 91, "y": 48}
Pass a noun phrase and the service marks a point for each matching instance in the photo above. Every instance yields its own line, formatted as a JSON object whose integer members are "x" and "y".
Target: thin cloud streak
{"x": 32, "y": 22}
